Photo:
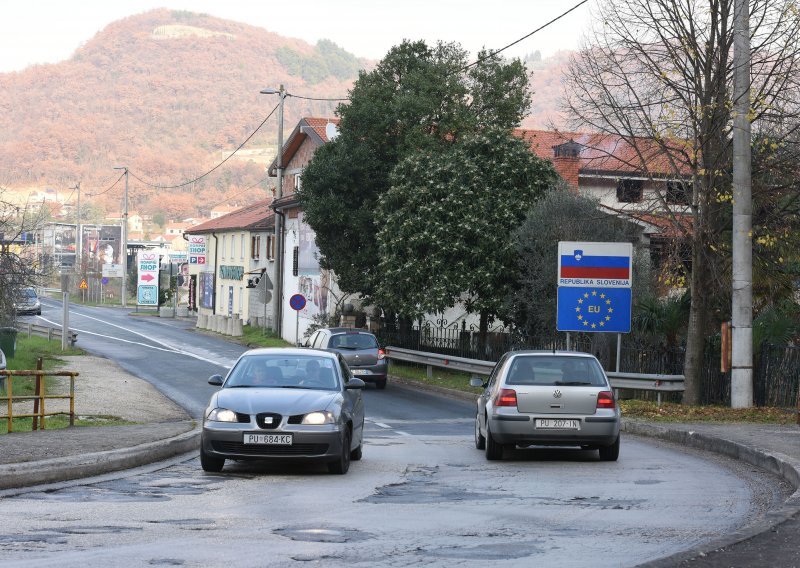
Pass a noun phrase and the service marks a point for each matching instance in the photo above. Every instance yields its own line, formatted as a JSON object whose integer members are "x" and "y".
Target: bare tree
{"x": 18, "y": 263}
{"x": 658, "y": 74}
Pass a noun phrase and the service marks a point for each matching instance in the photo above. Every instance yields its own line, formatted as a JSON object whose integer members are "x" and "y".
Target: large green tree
{"x": 417, "y": 99}
{"x": 446, "y": 224}
{"x": 560, "y": 215}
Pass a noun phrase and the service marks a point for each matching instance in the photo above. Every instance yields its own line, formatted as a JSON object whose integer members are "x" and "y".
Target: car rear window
{"x": 555, "y": 371}
{"x": 353, "y": 341}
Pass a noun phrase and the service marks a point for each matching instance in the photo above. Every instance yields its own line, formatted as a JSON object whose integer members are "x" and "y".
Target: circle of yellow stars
{"x": 605, "y": 302}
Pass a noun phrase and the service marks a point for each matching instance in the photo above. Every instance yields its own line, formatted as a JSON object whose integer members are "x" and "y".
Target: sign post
{"x": 297, "y": 302}
{"x": 146, "y": 289}
{"x": 594, "y": 288}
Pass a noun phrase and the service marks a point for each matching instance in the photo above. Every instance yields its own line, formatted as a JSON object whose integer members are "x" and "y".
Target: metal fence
{"x": 776, "y": 375}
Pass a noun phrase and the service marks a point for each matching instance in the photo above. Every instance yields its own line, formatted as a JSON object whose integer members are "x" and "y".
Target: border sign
{"x": 594, "y": 287}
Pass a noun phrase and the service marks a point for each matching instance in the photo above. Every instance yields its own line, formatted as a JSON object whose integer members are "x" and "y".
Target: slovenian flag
{"x": 579, "y": 266}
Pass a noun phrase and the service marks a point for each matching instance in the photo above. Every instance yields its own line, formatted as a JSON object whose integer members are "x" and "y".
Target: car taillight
{"x": 381, "y": 354}
{"x": 506, "y": 397}
{"x": 605, "y": 399}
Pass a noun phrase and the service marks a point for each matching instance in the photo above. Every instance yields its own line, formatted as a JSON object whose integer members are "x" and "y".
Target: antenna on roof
{"x": 331, "y": 131}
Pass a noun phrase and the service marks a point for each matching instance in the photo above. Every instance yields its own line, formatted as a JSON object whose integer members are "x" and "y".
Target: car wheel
{"x": 494, "y": 451}
{"x": 356, "y": 454}
{"x": 209, "y": 463}
{"x": 480, "y": 441}
{"x": 38, "y": 313}
{"x": 342, "y": 464}
{"x": 380, "y": 385}
{"x": 610, "y": 453}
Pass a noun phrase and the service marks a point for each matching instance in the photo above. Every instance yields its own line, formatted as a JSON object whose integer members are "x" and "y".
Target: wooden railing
{"x": 39, "y": 398}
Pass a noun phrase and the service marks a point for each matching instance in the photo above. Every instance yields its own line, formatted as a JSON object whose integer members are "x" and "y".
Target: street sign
{"x": 197, "y": 249}
{"x": 147, "y": 295}
{"x": 608, "y": 265}
{"x": 104, "y": 281}
{"x": 594, "y": 287}
{"x": 297, "y": 302}
{"x": 83, "y": 285}
{"x": 594, "y": 310}
{"x": 113, "y": 271}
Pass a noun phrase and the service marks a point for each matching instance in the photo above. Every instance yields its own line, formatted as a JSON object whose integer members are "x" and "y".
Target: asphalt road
{"x": 422, "y": 495}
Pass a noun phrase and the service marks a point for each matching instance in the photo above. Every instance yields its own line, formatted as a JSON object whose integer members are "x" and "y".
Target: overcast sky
{"x": 49, "y": 31}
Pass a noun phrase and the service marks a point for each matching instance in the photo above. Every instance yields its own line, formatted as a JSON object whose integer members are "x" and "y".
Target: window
{"x": 255, "y": 247}
{"x": 629, "y": 190}
{"x": 224, "y": 241}
{"x": 270, "y": 247}
{"x": 241, "y": 246}
{"x": 233, "y": 246}
{"x": 678, "y": 193}
{"x": 295, "y": 260}
{"x": 297, "y": 181}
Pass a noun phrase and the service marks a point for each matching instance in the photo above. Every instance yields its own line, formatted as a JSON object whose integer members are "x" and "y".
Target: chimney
{"x": 567, "y": 161}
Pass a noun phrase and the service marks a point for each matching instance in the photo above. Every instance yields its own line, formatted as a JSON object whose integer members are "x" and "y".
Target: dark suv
{"x": 360, "y": 350}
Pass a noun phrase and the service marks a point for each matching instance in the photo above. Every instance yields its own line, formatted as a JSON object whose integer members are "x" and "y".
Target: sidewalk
{"x": 58, "y": 455}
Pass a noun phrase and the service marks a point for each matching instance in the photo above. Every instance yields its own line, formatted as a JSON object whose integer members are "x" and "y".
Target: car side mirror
{"x": 215, "y": 380}
{"x": 477, "y": 382}
{"x": 355, "y": 384}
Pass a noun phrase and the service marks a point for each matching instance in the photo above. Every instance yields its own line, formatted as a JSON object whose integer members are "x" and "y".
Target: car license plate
{"x": 360, "y": 372}
{"x": 558, "y": 424}
{"x": 268, "y": 439}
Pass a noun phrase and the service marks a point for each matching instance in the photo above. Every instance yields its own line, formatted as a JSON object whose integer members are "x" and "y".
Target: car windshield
{"x": 281, "y": 371}
{"x": 28, "y": 293}
{"x": 353, "y": 341}
{"x": 555, "y": 371}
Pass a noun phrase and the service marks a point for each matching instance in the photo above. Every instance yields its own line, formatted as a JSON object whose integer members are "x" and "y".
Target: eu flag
{"x": 594, "y": 309}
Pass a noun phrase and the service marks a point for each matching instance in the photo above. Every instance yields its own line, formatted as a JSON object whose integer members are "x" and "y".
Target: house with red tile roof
{"x": 301, "y": 273}
{"x": 231, "y": 260}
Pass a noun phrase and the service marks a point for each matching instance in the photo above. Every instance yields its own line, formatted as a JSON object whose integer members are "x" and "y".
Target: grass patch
{"x": 455, "y": 380}
{"x": 672, "y": 412}
{"x": 60, "y": 421}
{"x": 27, "y": 351}
{"x": 258, "y": 337}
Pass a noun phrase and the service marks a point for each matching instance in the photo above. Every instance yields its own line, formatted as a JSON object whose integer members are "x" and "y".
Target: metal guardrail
{"x": 46, "y": 331}
{"x": 636, "y": 381}
{"x": 39, "y": 398}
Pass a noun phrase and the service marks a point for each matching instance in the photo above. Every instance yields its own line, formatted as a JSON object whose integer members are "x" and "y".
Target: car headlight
{"x": 317, "y": 418}
{"x": 222, "y": 415}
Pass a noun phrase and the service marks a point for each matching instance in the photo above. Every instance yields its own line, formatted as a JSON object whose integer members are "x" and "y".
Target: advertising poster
{"x": 313, "y": 282}
{"x": 206, "y": 290}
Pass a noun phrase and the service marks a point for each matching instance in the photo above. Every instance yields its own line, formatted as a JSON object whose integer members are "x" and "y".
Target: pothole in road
{"x": 422, "y": 486}
{"x": 496, "y": 551}
{"x": 322, "y": 534}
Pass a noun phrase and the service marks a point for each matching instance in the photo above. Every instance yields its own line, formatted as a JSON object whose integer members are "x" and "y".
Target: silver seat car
{"x": 285, "y": 404}
{"x": 547, "y": 398}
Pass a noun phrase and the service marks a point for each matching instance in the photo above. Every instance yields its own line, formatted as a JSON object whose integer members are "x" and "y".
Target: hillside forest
{"x": 170, "y": 95}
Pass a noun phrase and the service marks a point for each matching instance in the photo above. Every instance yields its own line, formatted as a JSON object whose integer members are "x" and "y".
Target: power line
{"x": 540, "y": 28}
{"x": 184, "y": 184}
{"x": 112, "y": 186}
{"x": 317, "y": 99}
{"x": 238, "y": 193}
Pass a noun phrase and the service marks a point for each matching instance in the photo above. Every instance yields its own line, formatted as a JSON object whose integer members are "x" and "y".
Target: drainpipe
{"x": 281, "y": 227}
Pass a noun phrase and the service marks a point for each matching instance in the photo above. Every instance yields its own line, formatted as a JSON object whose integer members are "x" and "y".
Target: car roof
{"x": 551, "y": 353}
{"x": 290, "y": 351}
{"x": 347, "y": 330}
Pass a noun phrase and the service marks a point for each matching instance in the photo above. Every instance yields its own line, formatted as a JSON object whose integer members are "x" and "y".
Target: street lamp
{"x": 124, "y": 240}
{"x": 278, "y": 275}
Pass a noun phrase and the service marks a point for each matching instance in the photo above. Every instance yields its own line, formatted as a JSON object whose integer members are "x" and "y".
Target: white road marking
{"x": 167, "y": 348}
{"x": 382, "y": 425}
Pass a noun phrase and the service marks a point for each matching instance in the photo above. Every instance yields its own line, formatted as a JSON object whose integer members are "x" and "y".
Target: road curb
{"x": 26, "y": 474}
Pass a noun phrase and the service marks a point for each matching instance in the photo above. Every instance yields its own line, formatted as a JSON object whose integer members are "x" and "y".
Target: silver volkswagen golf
{"x": 285, "y": 404}
{"x": 547, "y": 398}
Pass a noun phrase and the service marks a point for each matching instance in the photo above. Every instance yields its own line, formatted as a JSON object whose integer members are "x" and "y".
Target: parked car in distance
{"x": 360, "y": 349}
{"x": 547, "y": 398}
{"x": 2, "y": 360}
{"x": 284, "y": 404}
{"x": 27, "y": 302}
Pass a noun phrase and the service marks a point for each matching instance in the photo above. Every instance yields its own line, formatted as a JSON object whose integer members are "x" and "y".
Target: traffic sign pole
{"x": 297, "y": 302}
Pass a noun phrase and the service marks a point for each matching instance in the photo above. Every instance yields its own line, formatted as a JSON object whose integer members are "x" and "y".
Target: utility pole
{"x": 124, "y": 240}
{"x": 278, "y": 280}
{"x": 80, "y": 234}
{"x": 742, "y": 292}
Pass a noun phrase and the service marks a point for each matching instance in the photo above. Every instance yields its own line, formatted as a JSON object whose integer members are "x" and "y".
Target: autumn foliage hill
{"x": 169, "y": 95}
